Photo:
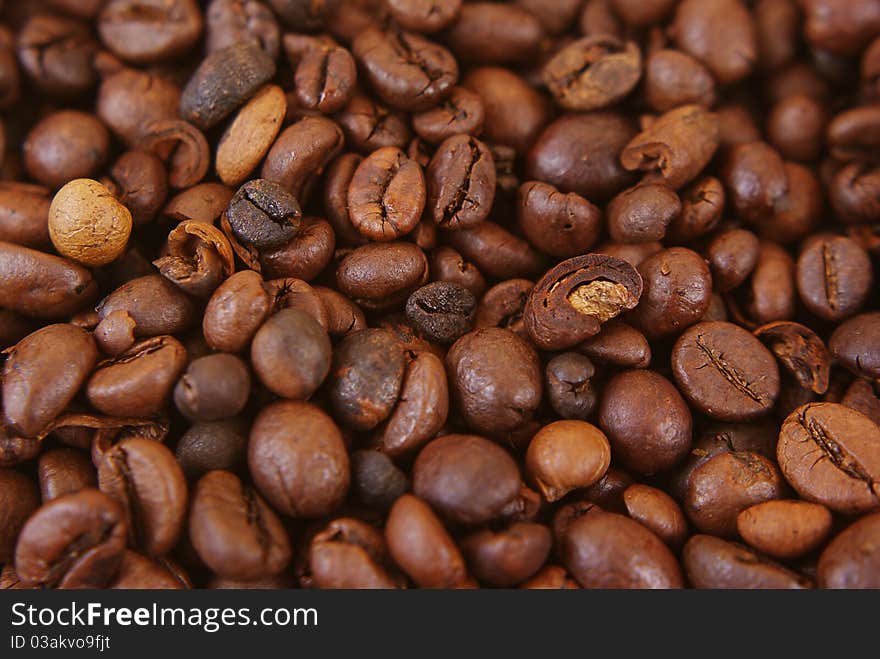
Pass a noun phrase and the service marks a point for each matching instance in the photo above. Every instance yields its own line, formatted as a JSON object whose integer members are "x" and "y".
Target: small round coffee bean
{"x": 567, "y": 382}
{"x": 785, "y": 529}
{"x": 656, "y": 510}
{"x": 565, "y": 456}
{"x": 66, "y": 145}
{"x": 212, "y": 445}
{"x": 674, "y": 78}
{"x": 441, "y": 311}
{"x": 376, "y": 481}
{"x": 641, "y": 214}
{"x": 213, "y": 387}
{"x": 563, "y": 225}
{"x": 732, "y": 256}
{"x": 263, "y": 214}
{"x": 507, "y": 557}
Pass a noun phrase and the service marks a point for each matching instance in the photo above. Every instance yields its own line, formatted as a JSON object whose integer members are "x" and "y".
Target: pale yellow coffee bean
{"x": 87, "y": 224}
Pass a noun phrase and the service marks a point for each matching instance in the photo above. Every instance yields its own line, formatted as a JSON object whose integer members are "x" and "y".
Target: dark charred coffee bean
{"x": 140, "y": 381}
{"x": 725, "y": 372}
{"x": 368, "y": 368}
{"x": 420, "y": 545}
{"x": 56, "y": 52}
{"x": 657, "y": 511}
{"x": 834, "y": 277}
{"x": 74, "y": 541}
{"x": 66, "y": 145}
{"x": 298, "y": 460}
{"x": 489, "y": 33}
{"x": 264, "y": 214}
{"x": 719, "y": 33}
{"x": 407, "y": 71}
{"x": 727, "y": 484}
{"x": 674, "y": 78}
{"x": 619, "y": 344}
{"x": 19, "y": 498}
{"x": 213, "y": 387}
{"x": 641, "y": 214}
{"x": 507, "y": 557}
{"x": 569, "y": 389}
{"x": 503, "y": 306}
{"x": 451, "y": 474}
{"x": 143, "y": 476}
{"x": 148, "y": 31}
{"x": 732, "y": 256}
{"x": 560, "y": 224}
{"x": 573, "y": 299}
{"x": 830, "y": 454}
{"x": 386, "y": 195}
{"x": 212, "y": 445}
{"x": 496, "y": 251}
{"x": 228, "y": 22}
{"x": 702, "y": 203}
{"x": 646, "y": 419}
{"x": 607, "y": 550}
{"x": 851, "y": 559}
{"x": 441, "y": 311}
{"x": 448, "y": 265}
{"x": 677, "y": 144}
{"x": 711, "y": 562}
{"x": 856, "y": 344}
{"x": 35, "y": 391}
{"x": 460, "y": 114}
{"x": 291, "y": 354}
{"x": 234, "y": 531}
{"x": 381, "y": 276}
{"x": 800, "y": 351}
{"x": 593, "y": 73}
{"x": 461, "y": 182}
{"x": 565, "y": 456}
{"x": 349, "y": 554}
{"x": 63, "y": 471}
{"x": 784, "y": 529}
{"x": 495, "y": 378}
{"x": 581, "y": 153}
{"x": 223, "y": 82}
{"x": 677, "y": 292}
{"x": 376, "y": 481}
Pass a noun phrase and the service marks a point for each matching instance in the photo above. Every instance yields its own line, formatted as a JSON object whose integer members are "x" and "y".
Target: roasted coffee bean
{"x": 386, "y": 195}
{"x": 129, "y": 101}
{"x": 183, "y": 148}
{"x": 619, "y": 344}
{"x": 424, "y": 15}
{"x": 732, "y": 256}
{"x": 63, "y": 471}
{"x": 234, "y": 531}
{"x": 213, "y": 387}
{"x": 212, "y": 445}
{"x": 300, "y": 154}
{"x": 646, "y": 419}
{"x": 725, "y": 372}
{"x": 507, "y": 557}
{"x": 369, "y": 125}
{"x": 56, "y": 52}
{"x": 325, "y": 77}
{"x": 24, "y": 213}
{"x": 593, "y": 72}
{"x": 460, "y": 114}
{"x": 148, "y": 31}
{"x": 263, "y": 214}
{"x": 143, "y": 476}
{"x": 381, "y": 276}
{"x": 702, "y": 203}
{"x": 66, "y": 145}
{"x": 235, "y": 312}
{"x": 348, "y": 554}
{"x": 565, "y": 456}
{"x": 601, "y": 550}
{"x": 770, "y": 292}
{"x": 19, "y": 497}
{"x": 496, "y": 251}
{"x": 495, "y": 379}
{"x": 850, "y": 560}
{"x": 711, "y": 562}
{"x": 139, "y": 181}
{"x": 800, "y": 351}
{"x": 784, "y": 529}
{"x": 573, "y": 299}
{"x": 551, "y": 577}
{"x": 303, "y": 257}
{"x": 441, "y": 311}
{"x": 461, "y": 182}
{"x": 489, "y": 33}
{"x": 298, "y": 460}
{"x": 657, "y": 511}
{"x": 863, "y": 397}
{"x": 674, "y": 78}
{"x": 307, "y": 15}
{"x": 74, "y": 541}
{"x": 376, "y": 481}
{"x": 451, "y": 474}
{"x": 641, "y": 214}
{"x": 34, "y": 390}
{"x": 560, "y": 224}
{"x": 830, "y": 454}
{"x": 228, "y": 22}
{"x": 856, "y": 344}
{"x": 137, "y": 572}
{"x": 834, "y": 277}
{"x": 503, "y": 305}
{"x": 448, "y": 265}
{"x": 567, "y": 381}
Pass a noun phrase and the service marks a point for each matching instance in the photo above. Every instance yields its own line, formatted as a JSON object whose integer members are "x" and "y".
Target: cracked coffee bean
{"x": 263, "y": 214}
{"x": 441, "y": 311}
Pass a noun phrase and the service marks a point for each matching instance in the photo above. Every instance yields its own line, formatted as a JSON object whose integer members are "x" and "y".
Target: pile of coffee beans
{"x": 440, "y": 293}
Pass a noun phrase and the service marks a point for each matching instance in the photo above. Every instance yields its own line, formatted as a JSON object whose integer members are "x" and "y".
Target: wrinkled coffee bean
{"x": 441, "y": 311}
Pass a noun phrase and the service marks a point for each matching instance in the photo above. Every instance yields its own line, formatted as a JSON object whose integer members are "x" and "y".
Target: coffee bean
{"x": 567, "y": 381}
{"x": 619, "y": 344}
{"x": 856, "y": 345}
{"x": 711, "y": 562}
{"x": 130, "y": 101}
{"x": 213, "y": 387}
{"x": 850, "y": 560}
{"x": 20, "y": 498}
{"x": 784, "y": 529}
{"x": 351, "y": 554}
{"x": 657, "y": 511}
{"x": 702, "y": 203}
{"x": 137, "y": 572}
{"x": 565, "y": 456}
{"x": 212, "y": 445}
{"x": 382, "y": 275}
{"x": 563, "y": 225}
{"x": 641, "y": 214}
{"x": 56, "y": 52}
{"x": 831, "y": 455}
{"x": 263, "y": 214}
{"x": 325, "y": 77}
{"x": 507, "y": 557}
{"x": 461, "y": 182}
{"x": 63, "y": 471}
{"x": 800, "y": 351}
{"x": 300, "y": 154}
{"x": 148, "y": 31}
{"x": 496, "y": 251}
{"x": 228, "y": 22}
{"x": 424, "y": 15}
{"x": 834, "y": 277}
{"x": 66, "y": 145}
{"x": 489, "y": 33}
{"x": 674, "y": 78}
{"x": 441, "y": 311}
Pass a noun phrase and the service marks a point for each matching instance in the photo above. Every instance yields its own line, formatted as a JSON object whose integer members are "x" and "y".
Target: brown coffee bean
{"x": 507, "y": 557}
{"x": 489, "y": 33}
{"x": 560, "y": 224}
{"x": 19, "y": 498}
{"x": 143, "y": 476}
{"x": 351, "y": 554}
{"x": 63, "y": 471}
{"x": 593, "y": 72}
{"x": 441, "y": 311}
{"x": 732, "y": 255}
{"x": 460, "y": 114}
{"x": 386, "y": 195}
{"x": 56, "y": 52}
{"x": 375, "y": 480}
{"x": 568, "y": 386}
{"x": 850, "y": 560}
{"x": 305, "y": 16}
{"x": 424, "y": 15}
{"x": 711, "y": 562}
{"x": 503, "y": 305}
{"x": 496, "y": 251}
{"x": 461, "y": 182}
{"x": 263, "y": 214}
{"x": 756, "y": 179}
{"x": 607, "y": 550}
{"x": 495, "y": 378}
{"x": 619, "y": 344}
{"x": 674, "y": 78}
{"x": 856, "y": 344}
{"x": 702, "y": 203}
{"x": 300, "y": 154}
{"x": 64, "y": 146}
{"x": 831, "y": 455}
{"x": 641, "y": 214}
{"x": 234, "y": 531}
{"x": 235, "y": 311}
{"x": 796, "y": 127}
{"x": 139, "y": 181}
{"x": 381, "y": 276}
{"x": 657, "y": 511}
{"x": 228, "y": 22}
{"x": 74, "y": 541}
{"x": 212, "y": 445}
{"x": 298, "y": 460}
{"x": 325, "y": 77}
{"x": 719, "y": 33}
{"x": 448, "y": 265}
{"x": 34, "y": 390}
{"x": 678, "y": 144}
{"x": 646, "y": 419}
{"x": 137, "y": 572}
{"x": 725, "y": 372}
{"x": 565, "y": 456}
{"x": 213, "y": 387}
{"x": 451, "y": 472}
{"x": 784, "y": 529}
{"x": 800, "y": 351}
{"x": 129, "y": 101}
{"x": 369, "y": 125}
{"x": 421, "y": 546}
{"x": 551, "y": 577}
{"x": 305, "y": 255}
{"x": 843, "y": 29}
{"x": 834, "y": 277}
{"x": 770, "y": 293}
{"x": 862, "y": 397}
{"x": 24, "y": 213}
{"x": 250, "y": 134}
{"x": 138, "y": 382}
{"x": 725, "y": 485}
{"x": 147, "y": 31}
{"x": 182, "y": 147}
